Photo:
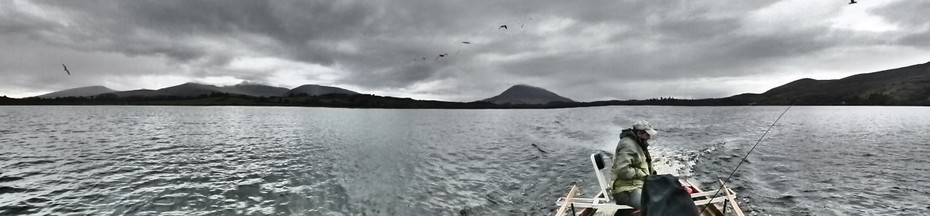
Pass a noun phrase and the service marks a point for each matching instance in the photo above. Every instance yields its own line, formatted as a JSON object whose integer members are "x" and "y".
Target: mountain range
{"x": 516, "y": 95}
{"x": 901, "y": 86}
{"x": 196, "y": 89}
{"x": 79, "y": 92}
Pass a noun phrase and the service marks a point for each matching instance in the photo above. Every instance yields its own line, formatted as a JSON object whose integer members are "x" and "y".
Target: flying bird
{"x": 852, "y": 1}
{"x": 466, "y": 42}
{"x": 66, "y": 69}
{"x": 502, "y": 27}
{"x": 524, "y": 22}
{"x": 440, "y": 56}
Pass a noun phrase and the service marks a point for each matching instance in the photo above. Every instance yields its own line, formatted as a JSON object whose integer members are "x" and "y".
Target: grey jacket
{"x": 631, "y": 164}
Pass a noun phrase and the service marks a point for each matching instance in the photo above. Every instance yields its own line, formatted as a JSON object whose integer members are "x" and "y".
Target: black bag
{"x": 664, "y": 195}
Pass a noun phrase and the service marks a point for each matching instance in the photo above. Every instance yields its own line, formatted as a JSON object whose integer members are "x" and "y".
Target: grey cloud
{"x": 918, "y": 39}
{"x": 407, "y": 73}
{"x": 686, "y": 40}
{"x": 306, "y": 30}
{"x": 166, "y": 27}
{"x": 741, "y": 55}
{"x": 16, "y": 24}
{"x": 909, "y": 15}
{"x": 374, "y": 43}
{"x": 688, "y": 29}
{"x": 726, "y": 54}
{"x": 906, "y": 13}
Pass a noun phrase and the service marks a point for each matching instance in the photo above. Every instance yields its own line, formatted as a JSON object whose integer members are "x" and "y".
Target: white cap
{"x": 645, "y": 126}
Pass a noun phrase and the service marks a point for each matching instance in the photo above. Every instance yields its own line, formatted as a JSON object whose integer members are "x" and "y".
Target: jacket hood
{"x": 629, "y": 133}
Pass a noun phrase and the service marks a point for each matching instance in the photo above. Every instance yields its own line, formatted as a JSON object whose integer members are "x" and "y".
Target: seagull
{"x": 852, "y": 1}
{"x": 440, "y": 56}
{"x": 524, "y": 22}
{"x": 66, "y": 69}
{"x": 466, "y": 42}
{"x": 502, "y": 27}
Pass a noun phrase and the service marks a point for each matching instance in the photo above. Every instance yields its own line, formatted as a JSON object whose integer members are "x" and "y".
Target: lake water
{"x": 164, "y": 160}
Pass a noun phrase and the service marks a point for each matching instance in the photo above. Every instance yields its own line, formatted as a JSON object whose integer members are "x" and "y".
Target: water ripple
{"x": 314, "y": 161}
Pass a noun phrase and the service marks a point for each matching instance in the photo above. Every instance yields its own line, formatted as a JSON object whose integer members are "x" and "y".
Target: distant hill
{"x": 901, "y": 86}
{"x": 314, "y": 90}
{"x": 256, "y": 90}
{"x": 189, "y": 90}
{"x": 196, "y": 89}
{"x": 79, "y": 92}
{"x": 525, "y": 94}
{"x": 139, "y": 93}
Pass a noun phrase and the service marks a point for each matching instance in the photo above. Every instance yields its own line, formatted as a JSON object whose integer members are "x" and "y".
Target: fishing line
{"x": 744, "y": 159}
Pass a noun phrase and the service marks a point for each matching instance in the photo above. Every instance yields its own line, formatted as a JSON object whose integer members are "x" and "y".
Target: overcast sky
{"x": 583, "y": 50}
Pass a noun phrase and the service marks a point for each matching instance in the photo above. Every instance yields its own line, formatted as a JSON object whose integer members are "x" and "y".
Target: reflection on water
{"x": 319, "y": 161}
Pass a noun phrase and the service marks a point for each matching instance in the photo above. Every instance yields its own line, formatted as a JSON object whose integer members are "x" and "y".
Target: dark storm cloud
{"x": 305, "y": 30}
{"x": 908, "y": 13}
{"x": 912, "y": 16}
{"x": 743, "y": 54}
{"x": 694, "y": 47}
{"x": 685, "y": 29}
{"x": 167, "y": 27}
{"x": 204, "y": 35}
{"x": 586, "y": 49}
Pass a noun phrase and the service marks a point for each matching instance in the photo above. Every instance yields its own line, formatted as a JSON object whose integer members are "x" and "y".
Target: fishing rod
{"x": 744, "y": 158}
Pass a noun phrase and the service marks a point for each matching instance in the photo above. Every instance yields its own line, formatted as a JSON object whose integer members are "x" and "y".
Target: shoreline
{"x": 382, "y": 102}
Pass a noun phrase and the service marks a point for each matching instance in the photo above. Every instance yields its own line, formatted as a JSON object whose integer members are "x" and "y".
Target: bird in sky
{"x": 440, "y": 56}
{"x": 466, "y": 42}
{"x": 524, "y": 22}
{"x": 502, "y": 27}
{"x": 852, "y": 1}
{"x": 66, "y": 69}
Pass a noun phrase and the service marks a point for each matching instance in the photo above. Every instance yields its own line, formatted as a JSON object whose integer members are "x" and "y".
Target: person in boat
{"x": 632, "y": 164}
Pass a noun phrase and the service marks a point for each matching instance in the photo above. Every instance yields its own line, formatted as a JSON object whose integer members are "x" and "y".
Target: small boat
{"x": 709, "y": 202}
